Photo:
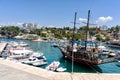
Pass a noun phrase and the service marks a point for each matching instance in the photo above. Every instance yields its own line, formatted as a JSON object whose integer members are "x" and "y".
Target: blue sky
{"x": 59, "y": 13}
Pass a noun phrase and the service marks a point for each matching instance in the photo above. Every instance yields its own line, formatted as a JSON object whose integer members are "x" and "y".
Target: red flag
{"x": 97, "y": 31}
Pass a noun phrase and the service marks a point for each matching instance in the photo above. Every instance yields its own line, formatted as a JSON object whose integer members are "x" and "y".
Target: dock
{"x": 10, "y": 70}
{"x": 2, "y": 46}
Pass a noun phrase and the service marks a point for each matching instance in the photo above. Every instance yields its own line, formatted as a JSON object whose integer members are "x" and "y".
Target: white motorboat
{"x": 60, "y": 69}
{"x": 35, "y": 58}
{"x": 31, "y": 60}
{"x": 40, "y": 63}
{"x": 53, "y": 66}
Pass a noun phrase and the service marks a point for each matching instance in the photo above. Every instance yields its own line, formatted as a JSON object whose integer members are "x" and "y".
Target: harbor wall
{"x": 52, "y": 75}
{"x": 58, "y": 75}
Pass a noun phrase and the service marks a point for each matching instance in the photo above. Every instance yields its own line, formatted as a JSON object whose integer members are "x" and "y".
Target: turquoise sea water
{"x": 54, "y": 54}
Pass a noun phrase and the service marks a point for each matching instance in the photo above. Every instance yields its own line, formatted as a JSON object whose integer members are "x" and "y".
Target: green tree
{"x": 10, "y": 31}
{"x": 99, "y": 37}
{"x": 59, "y": 36}
{"x": 107, "y": 39}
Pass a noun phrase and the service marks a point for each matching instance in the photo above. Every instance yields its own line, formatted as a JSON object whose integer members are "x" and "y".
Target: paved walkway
{"x": 10, "y": 70}
{"x": 9, "y": 73}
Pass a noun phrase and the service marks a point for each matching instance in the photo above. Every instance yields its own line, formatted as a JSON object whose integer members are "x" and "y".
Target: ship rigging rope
{"x": 87, "y": 64}
{"x": 93, "y": 68}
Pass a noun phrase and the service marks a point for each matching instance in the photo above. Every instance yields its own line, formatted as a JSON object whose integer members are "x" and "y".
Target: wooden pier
{"x": 2, "y": 47}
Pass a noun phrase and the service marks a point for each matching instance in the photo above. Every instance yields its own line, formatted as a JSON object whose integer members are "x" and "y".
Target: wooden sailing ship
{"x": 82, "y": 55}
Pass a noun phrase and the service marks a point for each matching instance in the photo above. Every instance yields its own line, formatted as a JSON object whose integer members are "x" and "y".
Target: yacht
{"x": 18, "y": 54}
{"x": 35, "y": 59}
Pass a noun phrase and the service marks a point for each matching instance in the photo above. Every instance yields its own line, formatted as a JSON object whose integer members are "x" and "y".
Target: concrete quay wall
{"x": 49, "y": 75}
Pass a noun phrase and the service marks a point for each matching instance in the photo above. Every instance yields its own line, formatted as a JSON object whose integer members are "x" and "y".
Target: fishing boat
{"x": 82, "y": 55}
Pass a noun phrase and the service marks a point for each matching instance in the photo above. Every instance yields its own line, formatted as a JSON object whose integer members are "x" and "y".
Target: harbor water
{"x": 54, "y": 54}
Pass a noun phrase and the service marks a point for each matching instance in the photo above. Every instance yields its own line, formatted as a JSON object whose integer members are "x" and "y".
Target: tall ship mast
{"x": 87, "y": 30}
{"x": 83, "y": 54}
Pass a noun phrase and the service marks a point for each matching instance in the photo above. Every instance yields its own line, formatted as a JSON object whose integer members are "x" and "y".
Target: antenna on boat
{"x": 87, "y": 30}
{"x": 73, "y": 41}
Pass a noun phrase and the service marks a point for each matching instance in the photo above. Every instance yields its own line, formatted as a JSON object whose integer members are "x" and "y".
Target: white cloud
{"x": 104, "y": 19}
{"x": 83, "y": 19}
{"x": 51, "y": 26}
{"x": 19, "y": 23}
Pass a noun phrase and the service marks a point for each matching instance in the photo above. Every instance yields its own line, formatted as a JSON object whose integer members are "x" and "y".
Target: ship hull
{"x": 79, "y": 60}
{"x": 87, "y": 58}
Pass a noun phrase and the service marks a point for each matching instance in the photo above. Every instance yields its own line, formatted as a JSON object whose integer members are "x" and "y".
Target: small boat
{"x": 35, "y": 59}
{"x": 53, "y": 66}
{"x": 60, "y": 69}
{"x": 37, "y": 54}
{"x": 103, "y": 48}
{"x": 54, "y": 45}
{"x": 32, "y": 60}
{"x": 112, "y": 55}
{"x": 20, "y": 44}
{"x": 40, "y": 63}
